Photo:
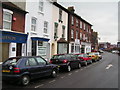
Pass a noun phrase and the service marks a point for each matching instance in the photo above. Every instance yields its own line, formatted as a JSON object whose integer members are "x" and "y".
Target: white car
{"x": 115, "y": 51}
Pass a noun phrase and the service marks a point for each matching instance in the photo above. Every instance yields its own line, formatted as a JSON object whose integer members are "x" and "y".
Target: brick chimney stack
{"x": 71, "y": 9}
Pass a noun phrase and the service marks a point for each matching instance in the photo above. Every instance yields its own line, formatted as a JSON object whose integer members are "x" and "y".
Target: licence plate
{"x": 5, "y": 70}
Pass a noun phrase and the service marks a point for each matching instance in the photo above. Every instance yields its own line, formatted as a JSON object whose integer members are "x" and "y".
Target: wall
{"x": 1, "y": 15}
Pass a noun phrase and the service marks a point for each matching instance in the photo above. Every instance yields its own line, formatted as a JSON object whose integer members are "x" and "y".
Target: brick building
{"x": 12, "y": 29}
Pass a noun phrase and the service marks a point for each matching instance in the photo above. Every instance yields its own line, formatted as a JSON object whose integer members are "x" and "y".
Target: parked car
{"x": 115, "y": 51}
{"x": 84, "y": 59}
{"x": 23, "y": 69}
{"x": 99, "y": 55}
{"x": 66, "y": 61}
{"x": 93, "y": 56}
{"x": 101, "y": 51}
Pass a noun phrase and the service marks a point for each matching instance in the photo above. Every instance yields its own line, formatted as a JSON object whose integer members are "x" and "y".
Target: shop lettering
{"x": 8, "y": 38}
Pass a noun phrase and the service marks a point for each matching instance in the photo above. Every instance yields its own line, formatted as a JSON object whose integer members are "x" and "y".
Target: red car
{"x": 85, "y": 59}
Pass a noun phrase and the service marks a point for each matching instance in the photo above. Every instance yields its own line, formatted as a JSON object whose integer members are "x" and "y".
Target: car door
{"x": 32, "y": 67}
{"x": 75, "y": 61}
{"x": 44, "y": 68}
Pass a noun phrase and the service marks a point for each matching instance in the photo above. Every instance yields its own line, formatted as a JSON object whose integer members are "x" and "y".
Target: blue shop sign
{"x": 14, "y": 37}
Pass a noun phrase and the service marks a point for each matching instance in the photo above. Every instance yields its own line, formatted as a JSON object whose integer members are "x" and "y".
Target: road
{"x": 101, "y": 74}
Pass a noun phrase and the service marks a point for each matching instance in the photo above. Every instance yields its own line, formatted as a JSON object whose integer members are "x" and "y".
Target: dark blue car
{"x": 24, "y": 69}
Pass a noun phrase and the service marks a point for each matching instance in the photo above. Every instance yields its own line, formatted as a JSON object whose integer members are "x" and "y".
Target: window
{"x": 72, "y": 33}
{"x": 76, "y": 34}
{"x": 63, "y": 32}
{"x": 72, "y": 21}
{"x": 60, "y": 15}
{"x": 7, "y": 19}
{"x": 76, "y": 22}
{"x": 80, "y": 24}
{"x": 41, "y": 4}
{"x": 56, "y": 30}
{"x": 33, "y": 24}
{"x": 41, "y": 61}
{"x": 83, "y": 36}
{"x": 45, "y": 27}
{"x": 72, "y": 47}
{"x": 31, "y": 62}
{"x": 80, "y": 36}
{"x": 84, "y": 26}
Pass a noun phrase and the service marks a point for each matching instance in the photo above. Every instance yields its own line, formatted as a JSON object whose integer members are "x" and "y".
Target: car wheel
{"x": 85, "y": 64}
{"x": 79, "y": 65}
{"x": 25, "y": 80}
{"x": 54, "y": 74}
{"x": 68, "y": 68}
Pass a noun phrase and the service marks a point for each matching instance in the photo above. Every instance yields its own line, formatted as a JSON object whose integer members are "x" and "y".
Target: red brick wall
{"x": 18, "y": 24}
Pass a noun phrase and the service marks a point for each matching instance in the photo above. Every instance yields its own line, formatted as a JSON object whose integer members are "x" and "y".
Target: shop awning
{"x": 40, "y": 39}
{"x": 8, "y": 37}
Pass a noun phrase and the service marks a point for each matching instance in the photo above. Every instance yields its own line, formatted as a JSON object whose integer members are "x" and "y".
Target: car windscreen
{"x": 11, "y": 61}
{"x": 58, "y": 57}
{"x": 91, "y": 54}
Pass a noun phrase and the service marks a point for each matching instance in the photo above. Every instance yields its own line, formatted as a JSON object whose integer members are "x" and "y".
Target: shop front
{"x": 12, "y": 44}
{"x": 40, "y": 47}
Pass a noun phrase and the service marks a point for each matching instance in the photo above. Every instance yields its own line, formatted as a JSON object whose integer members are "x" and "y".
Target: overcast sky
{"x": 102, "y": 15}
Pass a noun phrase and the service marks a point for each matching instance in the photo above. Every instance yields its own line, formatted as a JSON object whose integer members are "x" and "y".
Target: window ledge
{"x": 41, "y": 12}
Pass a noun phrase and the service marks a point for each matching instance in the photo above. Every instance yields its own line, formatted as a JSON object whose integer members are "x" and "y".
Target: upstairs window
{"x": 80, "y": 24}
{"x": 72, "y": 20}
{"x": 41, "y": 4}
{"x": 80, "y": 36}
{"x": 84, "y": 26}
{"x": 72, "y": 33}
{"x": 33, "y": 24}
{"x": 60, "y": 15}
{"x": 7, "y": 19}
{"x": 63, "y": 31}
{"x": 76, "y": 22}
{"x": 76, "y": 34}
{"x": 45, "y": 27}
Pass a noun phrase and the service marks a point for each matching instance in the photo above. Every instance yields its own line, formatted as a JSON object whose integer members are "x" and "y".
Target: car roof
{"x": 24, "y": 56}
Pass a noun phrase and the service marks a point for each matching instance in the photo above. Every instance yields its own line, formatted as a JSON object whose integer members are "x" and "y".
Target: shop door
{"x": 19, "y": 49}
{"x": 34, "y": 47}
{"x": 4, "y": 51}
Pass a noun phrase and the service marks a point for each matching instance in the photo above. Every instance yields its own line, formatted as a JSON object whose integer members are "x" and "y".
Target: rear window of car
{"x": 58, "y": 57}
{"x": 11, "y": 61}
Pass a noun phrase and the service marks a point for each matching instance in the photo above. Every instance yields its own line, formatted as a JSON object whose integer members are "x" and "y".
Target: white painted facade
{"x": 55, "y": 19}
{"x": 33, "y": 11}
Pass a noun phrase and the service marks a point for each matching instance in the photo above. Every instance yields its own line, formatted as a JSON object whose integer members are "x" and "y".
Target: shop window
{"x": 7, "y": 19}
{"x": 62, "y": 48}
{"x": 33, "y": 24}
{"x": 45, "y": 27}
{"x": 41, "y": 5}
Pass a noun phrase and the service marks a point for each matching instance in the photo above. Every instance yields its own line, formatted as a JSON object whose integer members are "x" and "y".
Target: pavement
{"x": 101, "y": 74}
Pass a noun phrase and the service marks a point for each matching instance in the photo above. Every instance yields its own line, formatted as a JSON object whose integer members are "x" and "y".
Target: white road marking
{"x": 52, "y": 81}
{"x": 63, "y": 77}
{"x": 39, "y": 86}
{"x": 108, "y": 67}
{"x": 70, "y": 74}
{"x": 76, "y": 71}
{"x": 81, "y": 69}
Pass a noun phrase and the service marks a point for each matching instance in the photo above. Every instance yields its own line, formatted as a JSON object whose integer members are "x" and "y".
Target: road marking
{"x": 81, "y": 69}
{"x": 63, "y": 77}
{"x": 70, "y": 74}
{"x": 108, "y": 67}
{"x": 76, "y": 71}
{"x": 52, "y": 81}
{"x": 39, "y": 86}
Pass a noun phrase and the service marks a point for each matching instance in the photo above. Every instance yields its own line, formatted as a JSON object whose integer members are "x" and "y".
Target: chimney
{"x": 71, "y": 9}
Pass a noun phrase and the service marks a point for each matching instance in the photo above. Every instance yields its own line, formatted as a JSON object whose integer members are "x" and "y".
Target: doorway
{"x": 19, "y": 49}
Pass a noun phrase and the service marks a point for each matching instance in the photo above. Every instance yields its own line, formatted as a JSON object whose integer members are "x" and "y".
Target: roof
{"x": 69, "y": 12}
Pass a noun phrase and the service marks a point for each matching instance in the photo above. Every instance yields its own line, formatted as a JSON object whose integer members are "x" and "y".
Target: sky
{"x": 103, "y": 15}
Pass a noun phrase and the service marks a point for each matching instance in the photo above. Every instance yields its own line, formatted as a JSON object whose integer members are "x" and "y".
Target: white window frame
{"x": 33, "y": 25}
{"x": 8, "y": 21}
{"x": 77, "y": 22}
{"x": 41, "y": 6}
{"x": 84, "y": 26}
{"x": 46, "y": 27}
{"x": 72, "y": 33}
{"x": 80, "y": 24}
{"x": 72, "y": 20}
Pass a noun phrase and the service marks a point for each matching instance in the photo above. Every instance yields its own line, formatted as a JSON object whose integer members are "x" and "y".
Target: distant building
{"x": 104, "y": 45}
